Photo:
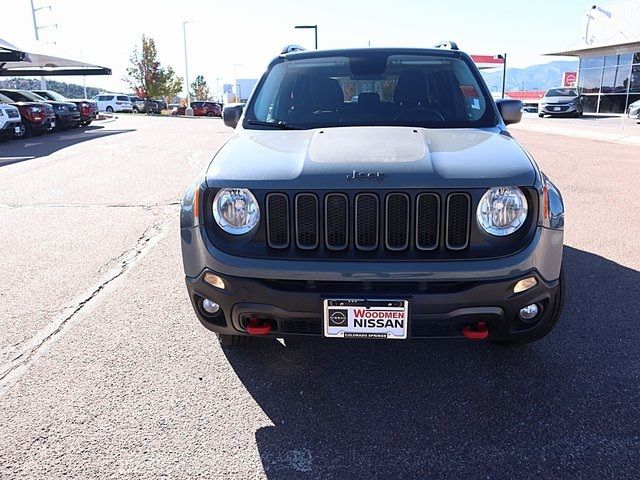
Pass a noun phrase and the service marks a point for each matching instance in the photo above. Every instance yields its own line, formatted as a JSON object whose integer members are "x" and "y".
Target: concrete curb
{"x": 576, "y": 133}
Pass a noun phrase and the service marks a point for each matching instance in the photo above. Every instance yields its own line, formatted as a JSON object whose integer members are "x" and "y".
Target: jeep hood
{"x": 407, "y": 157}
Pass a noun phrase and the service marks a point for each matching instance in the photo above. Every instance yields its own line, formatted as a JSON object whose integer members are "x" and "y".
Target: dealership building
{"x": 609, "y": 53}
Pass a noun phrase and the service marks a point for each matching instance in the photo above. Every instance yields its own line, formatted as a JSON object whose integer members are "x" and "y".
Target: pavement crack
{"x": 13, "y": 370}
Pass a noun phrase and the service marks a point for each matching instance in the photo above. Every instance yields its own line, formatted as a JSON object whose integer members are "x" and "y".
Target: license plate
{"x": 53, "y": 124}
{"x": 362, "y": 318}
{"x": 556, "y": 109}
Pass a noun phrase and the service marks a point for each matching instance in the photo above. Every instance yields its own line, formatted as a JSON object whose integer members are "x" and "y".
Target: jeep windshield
{"x": 371, "y": 88}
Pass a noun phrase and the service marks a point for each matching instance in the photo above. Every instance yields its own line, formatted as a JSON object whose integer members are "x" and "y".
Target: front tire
{"x": 109, "y": 109}
{"x": 541, "y": 115}
{"x": 226, "y": 340}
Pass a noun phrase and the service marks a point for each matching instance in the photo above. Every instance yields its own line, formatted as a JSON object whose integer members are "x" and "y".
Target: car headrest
{"x": 326, "y": 94}
{"x": 411, "y": 89}
{"x": 368, "y": 99}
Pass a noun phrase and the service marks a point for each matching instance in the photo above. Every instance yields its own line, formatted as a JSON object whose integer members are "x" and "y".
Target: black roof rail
{"x": 292, "y": 48}
{"x": 449, "y": 44}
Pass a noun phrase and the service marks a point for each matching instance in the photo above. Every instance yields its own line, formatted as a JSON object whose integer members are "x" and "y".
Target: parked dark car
{"x": 37, "y": 117}
{"x": 206, "y": 109}
{"x": 412, "y": 213}
{"x": 88, "y": 109}
{"x": 563, "y": 101}
{"x": 66, "y": 113}
{"x": 158, "y": 105}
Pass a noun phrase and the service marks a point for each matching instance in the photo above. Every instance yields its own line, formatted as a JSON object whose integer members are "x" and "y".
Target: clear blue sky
{"x": 250, "y": 32}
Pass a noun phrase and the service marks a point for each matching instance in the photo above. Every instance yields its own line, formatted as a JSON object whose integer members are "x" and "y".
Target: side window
{"x": 122, "y": 98}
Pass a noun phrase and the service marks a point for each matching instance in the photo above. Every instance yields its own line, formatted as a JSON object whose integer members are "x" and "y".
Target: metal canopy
{"x": 15, "y": 62}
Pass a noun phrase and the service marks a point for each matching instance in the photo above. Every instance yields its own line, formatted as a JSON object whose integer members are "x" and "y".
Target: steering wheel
{"x": 420, "y": 113}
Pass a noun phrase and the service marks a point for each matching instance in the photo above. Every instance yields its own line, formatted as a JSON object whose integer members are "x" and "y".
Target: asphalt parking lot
{"x": 106, "y": 373}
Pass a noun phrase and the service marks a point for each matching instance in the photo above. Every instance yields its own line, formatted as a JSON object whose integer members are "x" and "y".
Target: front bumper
{"x": 565, "y": 109}
{"x": 436, "y": 309}
{"x": 444, "y": 296}
{"x": 11, "y": 128}
{"x": 67, "y": 119}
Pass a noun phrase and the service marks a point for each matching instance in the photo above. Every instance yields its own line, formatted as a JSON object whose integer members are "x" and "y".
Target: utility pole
{"x": 186, "y": 66}
{"x": 36, "y": 30}
{"x": 504, "y": 72}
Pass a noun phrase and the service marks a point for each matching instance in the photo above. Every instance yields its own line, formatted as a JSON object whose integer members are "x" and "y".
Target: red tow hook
{"x": 258, "y": 327}
{"x": 480, "y": 332}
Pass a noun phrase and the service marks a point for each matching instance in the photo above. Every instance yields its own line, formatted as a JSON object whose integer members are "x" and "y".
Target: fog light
{"x": 525, "y": 284}
{"x": 529, "y": 312}
{"x": 210, "y": 306}
{"x": 214, "y": 280}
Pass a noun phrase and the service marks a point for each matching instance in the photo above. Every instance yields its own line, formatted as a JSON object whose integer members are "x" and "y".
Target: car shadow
{"x": 23, "y": 149}
{"x": 564, "y": 407}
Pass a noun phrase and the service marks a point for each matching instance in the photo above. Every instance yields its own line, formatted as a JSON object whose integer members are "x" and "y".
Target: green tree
{"x": 147, "y": 76}
{"x": 200, "y": 89}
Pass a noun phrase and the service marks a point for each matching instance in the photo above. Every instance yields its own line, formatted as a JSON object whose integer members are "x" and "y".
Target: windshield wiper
{"x": 279, "y": 124}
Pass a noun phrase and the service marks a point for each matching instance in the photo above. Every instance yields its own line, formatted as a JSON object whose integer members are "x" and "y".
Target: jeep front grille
{"x": 393, "y": 221}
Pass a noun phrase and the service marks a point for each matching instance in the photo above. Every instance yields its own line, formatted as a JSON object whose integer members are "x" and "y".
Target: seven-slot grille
{"x": 393, "y": 221}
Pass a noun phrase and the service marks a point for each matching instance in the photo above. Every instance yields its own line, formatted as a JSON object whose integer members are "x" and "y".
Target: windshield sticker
{"x": 475, "y": 103}
{"x": 469, "y": 91}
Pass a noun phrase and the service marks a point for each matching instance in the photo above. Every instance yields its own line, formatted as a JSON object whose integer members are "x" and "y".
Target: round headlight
{"x": 502, "y": 210}
{"x": 236, "y": 210}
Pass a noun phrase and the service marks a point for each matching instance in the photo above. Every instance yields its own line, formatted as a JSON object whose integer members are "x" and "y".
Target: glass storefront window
{"x": 636, "y": 57}
{"x": 591, "y": 62}
{"x": 625, "y": 58}
{"x": 622, "y": 80}
{"x": 590, "y": 103}
{"x": 608, "y": 79}
{"x": 610, "y": 60}
{"x": 590, "y": 80}
{"x": 635, "y": 79}
{"x": 612, "y": 103}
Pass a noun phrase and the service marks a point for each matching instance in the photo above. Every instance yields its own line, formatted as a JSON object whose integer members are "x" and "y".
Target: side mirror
{"x": 231, "y": 114}
{"x": 510, "y": 110}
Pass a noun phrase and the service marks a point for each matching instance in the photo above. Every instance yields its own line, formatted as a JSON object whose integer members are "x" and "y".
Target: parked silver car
{"x": 560, "y": 101}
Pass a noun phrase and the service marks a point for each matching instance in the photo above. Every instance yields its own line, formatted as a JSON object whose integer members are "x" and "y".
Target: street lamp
{"x": 315, "y": 29}
{"x": 186, "y": 64}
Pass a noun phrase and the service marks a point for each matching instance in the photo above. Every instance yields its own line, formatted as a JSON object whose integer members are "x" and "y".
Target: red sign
{"x": 569, "y": 79}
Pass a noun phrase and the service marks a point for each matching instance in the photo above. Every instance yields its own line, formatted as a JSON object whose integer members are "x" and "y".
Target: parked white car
{"x": 113, "y": 102}
{"x": 10, "y": 122}
{"x": 634, "y": 110}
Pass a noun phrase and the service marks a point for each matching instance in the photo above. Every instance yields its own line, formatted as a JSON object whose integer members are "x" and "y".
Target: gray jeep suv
{"x": 373, "y": 193}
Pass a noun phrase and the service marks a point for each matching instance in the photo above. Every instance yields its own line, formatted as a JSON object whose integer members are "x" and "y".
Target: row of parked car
{"x": 118, "y": 102}
{"x": 27, "y": 113}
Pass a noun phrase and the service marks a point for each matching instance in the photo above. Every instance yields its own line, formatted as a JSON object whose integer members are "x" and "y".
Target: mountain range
{"x": 534, "y": 77}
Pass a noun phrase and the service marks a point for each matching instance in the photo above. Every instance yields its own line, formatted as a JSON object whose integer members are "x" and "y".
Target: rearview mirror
{"x": 510, "y": 110}
{"x": 231, "y": 114}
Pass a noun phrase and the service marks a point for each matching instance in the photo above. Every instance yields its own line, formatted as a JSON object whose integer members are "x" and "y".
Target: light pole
{"x": 36, "y": 30}
{"x": 186, "y": 64}
{"x": 235, "y": 75}
{"x": 315, "y": 30}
